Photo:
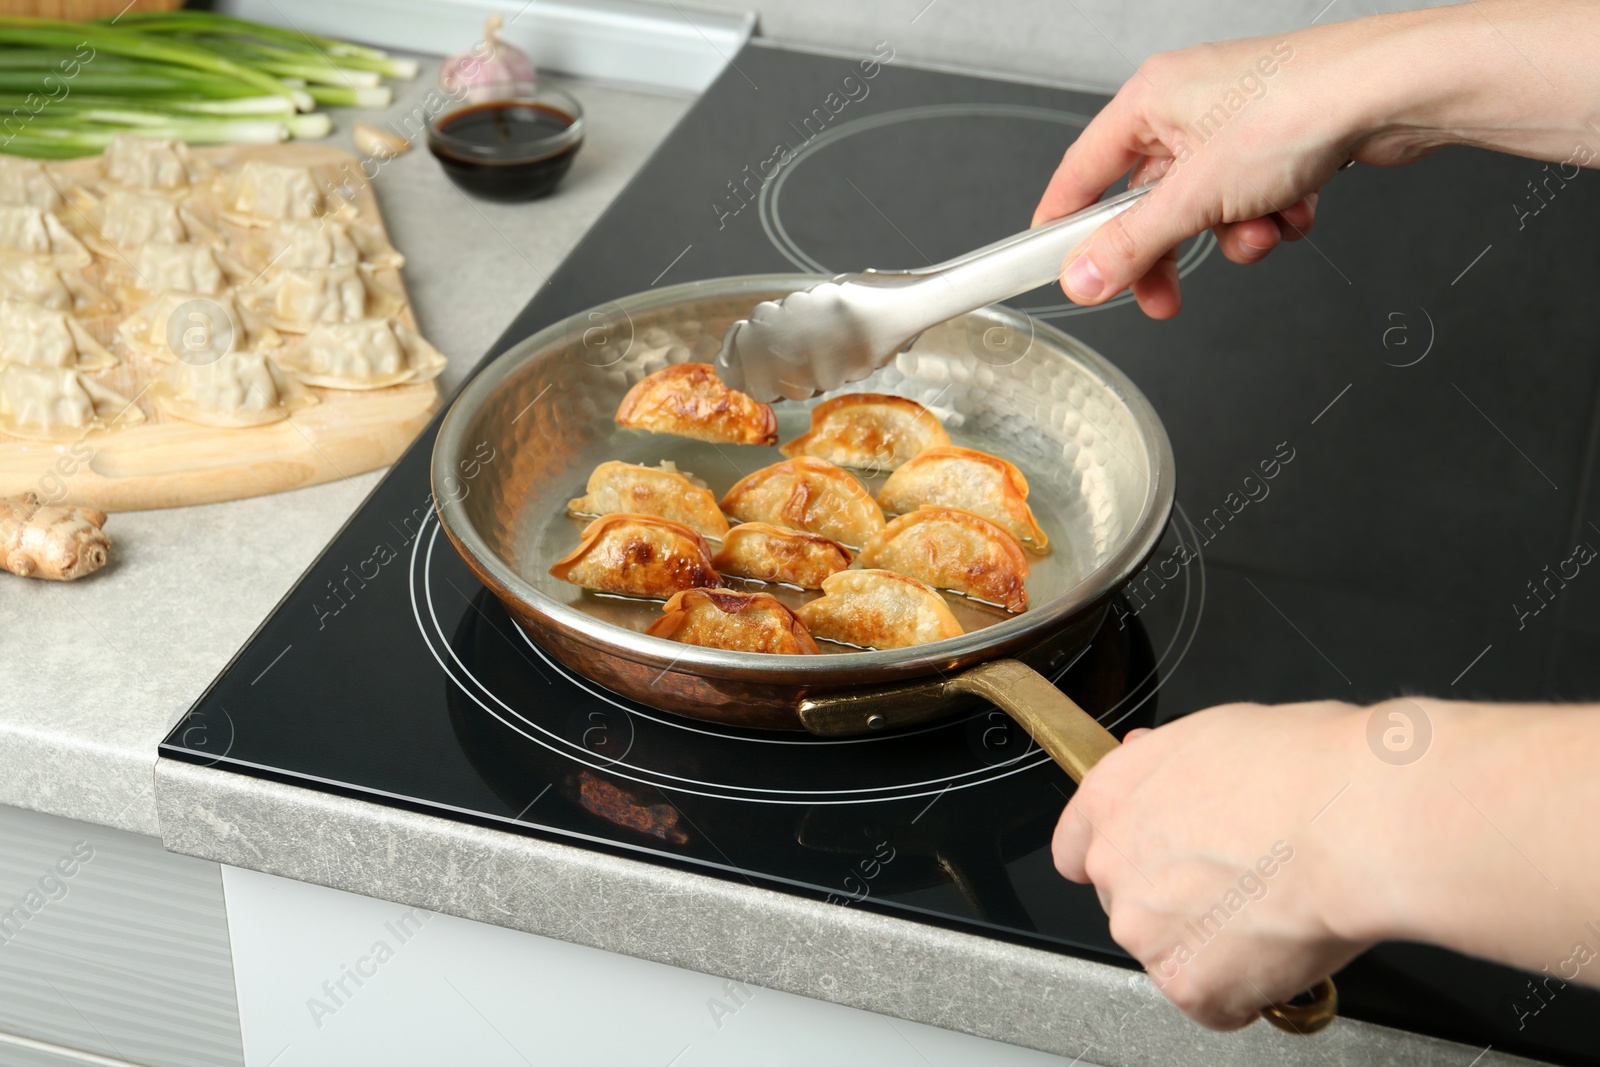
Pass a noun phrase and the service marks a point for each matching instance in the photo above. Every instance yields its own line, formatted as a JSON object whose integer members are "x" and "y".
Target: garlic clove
{"x": 493, "y": 70}
{"x": 377, "y": 143}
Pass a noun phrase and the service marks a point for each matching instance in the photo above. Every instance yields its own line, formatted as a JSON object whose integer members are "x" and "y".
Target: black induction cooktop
{"x": 1420, "y": 375}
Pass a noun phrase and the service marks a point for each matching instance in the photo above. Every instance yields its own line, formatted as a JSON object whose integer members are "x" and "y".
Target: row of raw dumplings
{"x": 303, "y": 267}
{"x": 962, "y": 518}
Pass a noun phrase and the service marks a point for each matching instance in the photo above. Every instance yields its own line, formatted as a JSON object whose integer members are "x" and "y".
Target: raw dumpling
{"x": 627, "y": 488}
{"x": 368, "y": 354}
{"x": 194, "y": 326}
{"x": 24, "y": 183}
{"x": 639, "y": 555}
{"x": 741, "y": 622}
{"x": 189, "y": 268}
{"x": 688, "y": 399}
{"x": 810, "y": 494}
{"x": 236, "y": 389}
{"x": 263, "y": 192}
{"x": 39, "y": 337}
{"x": 148, "y": 162}
{"x": 878, "y": 609}
{"x": 970, "y": 480}
{"x": 869, "y": 430}
{"x": 34, "y": 232}
{"x": 129, "y": 219}
{"x": 56, "y": 403}
{"x": 953, "y": 549}
{"x": 319, "y": 244}
{"x": 298, "y": 299}
{"x": 769, "y": 554}
{"x": 35, "y": 281}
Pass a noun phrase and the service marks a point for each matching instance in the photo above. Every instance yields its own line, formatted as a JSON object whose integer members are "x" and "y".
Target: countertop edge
{"x": 78, "y": 779}
{"x": 878, "y": 963}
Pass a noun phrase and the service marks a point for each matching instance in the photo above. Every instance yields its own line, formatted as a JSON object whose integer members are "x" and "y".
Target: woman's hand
{"x": 1246, "y": 851}
{"x": 1200, "y": 841}
{"x": 1242, "y": 135}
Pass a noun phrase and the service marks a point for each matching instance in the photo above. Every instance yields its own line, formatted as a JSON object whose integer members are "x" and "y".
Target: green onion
{"x": 345, "y": 96}
{"x": 25, "y": 31}
{"x": 358, "y": 56}
{"x": 67, "y": 88}
{"x": 248, "y": 105}
{"x": 67, "y": 141}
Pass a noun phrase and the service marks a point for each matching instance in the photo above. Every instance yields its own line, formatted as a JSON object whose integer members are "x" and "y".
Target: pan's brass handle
{"x": 1077, "y": 742}
{"x": 1313, "y": 1010}
{"x": 1071, "y": 735}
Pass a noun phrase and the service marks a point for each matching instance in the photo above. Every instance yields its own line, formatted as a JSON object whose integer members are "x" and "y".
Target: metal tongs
{"x": 844, "y": 329}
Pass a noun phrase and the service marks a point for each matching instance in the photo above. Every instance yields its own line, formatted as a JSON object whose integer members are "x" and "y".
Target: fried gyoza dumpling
{"x": 869, "y": 430}
{"x": 617, "y": 487}
{"x": 878, "y": 609}
{"x": 639, "y": 555}
{"x": 970, "y": 480}
{"x": 810, "y": 494}
{"x": 688, "y": 399}
{"x": 953, "y": 549}
{"x": 770, "y": 554}
{"x": 742, "y": 622}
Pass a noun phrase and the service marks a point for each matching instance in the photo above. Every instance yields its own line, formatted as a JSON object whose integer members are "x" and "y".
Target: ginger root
{"x": 50, "y": 540}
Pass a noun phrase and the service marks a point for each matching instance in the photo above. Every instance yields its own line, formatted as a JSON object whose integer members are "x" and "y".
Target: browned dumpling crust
{"x": 768, "y": 553}
{"x": 740, "y": 622}
{"x": 869, "y": 431}
{"x": 809, "y": 494}
{"x": 689, "y": 400}
{"x": 639, "y": 555}
{"x": 627, "y": 488}
{"x": 953, "y": 549}
{"x": 970, "y": 480}
{"x": 878, "y": 609}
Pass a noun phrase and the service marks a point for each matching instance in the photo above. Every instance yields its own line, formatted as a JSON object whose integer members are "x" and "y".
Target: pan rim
{"x": 1143, "y": 537}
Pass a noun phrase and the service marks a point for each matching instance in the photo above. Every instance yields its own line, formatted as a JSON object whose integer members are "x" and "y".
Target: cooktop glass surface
{"x": 1419, "y": 376}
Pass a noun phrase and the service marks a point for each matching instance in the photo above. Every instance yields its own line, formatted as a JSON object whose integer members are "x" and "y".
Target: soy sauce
{"x": 507, "y": 150}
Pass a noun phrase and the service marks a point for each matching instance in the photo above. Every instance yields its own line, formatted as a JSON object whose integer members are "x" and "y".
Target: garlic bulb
{"x": 493, "y": 70}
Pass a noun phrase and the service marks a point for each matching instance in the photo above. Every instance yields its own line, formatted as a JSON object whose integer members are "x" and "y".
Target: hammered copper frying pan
{"x": 524, "y": 434}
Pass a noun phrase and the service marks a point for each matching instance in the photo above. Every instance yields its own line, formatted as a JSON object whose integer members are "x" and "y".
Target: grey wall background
{"x": 1094, "y": 43}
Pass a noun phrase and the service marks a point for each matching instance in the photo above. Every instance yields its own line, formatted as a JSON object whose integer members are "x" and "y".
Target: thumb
{"x": 1123, "y": 250}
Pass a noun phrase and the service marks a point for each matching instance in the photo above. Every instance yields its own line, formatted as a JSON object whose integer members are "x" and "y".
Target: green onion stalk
{"x": 66, "y": 88}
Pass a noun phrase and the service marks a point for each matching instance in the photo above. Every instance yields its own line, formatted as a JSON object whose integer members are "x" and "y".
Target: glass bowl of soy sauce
{"x": 516, "y": 149}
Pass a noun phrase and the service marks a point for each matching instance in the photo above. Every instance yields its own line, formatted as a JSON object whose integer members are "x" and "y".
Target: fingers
{"x": 1249, "y": 241}
{"x": 1070, "y": 845}
{"x": 1103, "y": 152}
{"x": 1295, "y": 221}
{"x": 1128, "y": 247}
{"x": 1157, "y": 292}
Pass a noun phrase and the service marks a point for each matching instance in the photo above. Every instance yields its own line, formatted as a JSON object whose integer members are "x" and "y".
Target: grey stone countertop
{"x": 93, "y": 673}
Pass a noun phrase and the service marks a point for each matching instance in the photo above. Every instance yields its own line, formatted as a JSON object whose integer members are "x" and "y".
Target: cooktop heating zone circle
{"x": 492, "y": 662}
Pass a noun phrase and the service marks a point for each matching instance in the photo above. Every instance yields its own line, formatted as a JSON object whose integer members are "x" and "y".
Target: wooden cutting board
{"x": 168, "y": 462}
